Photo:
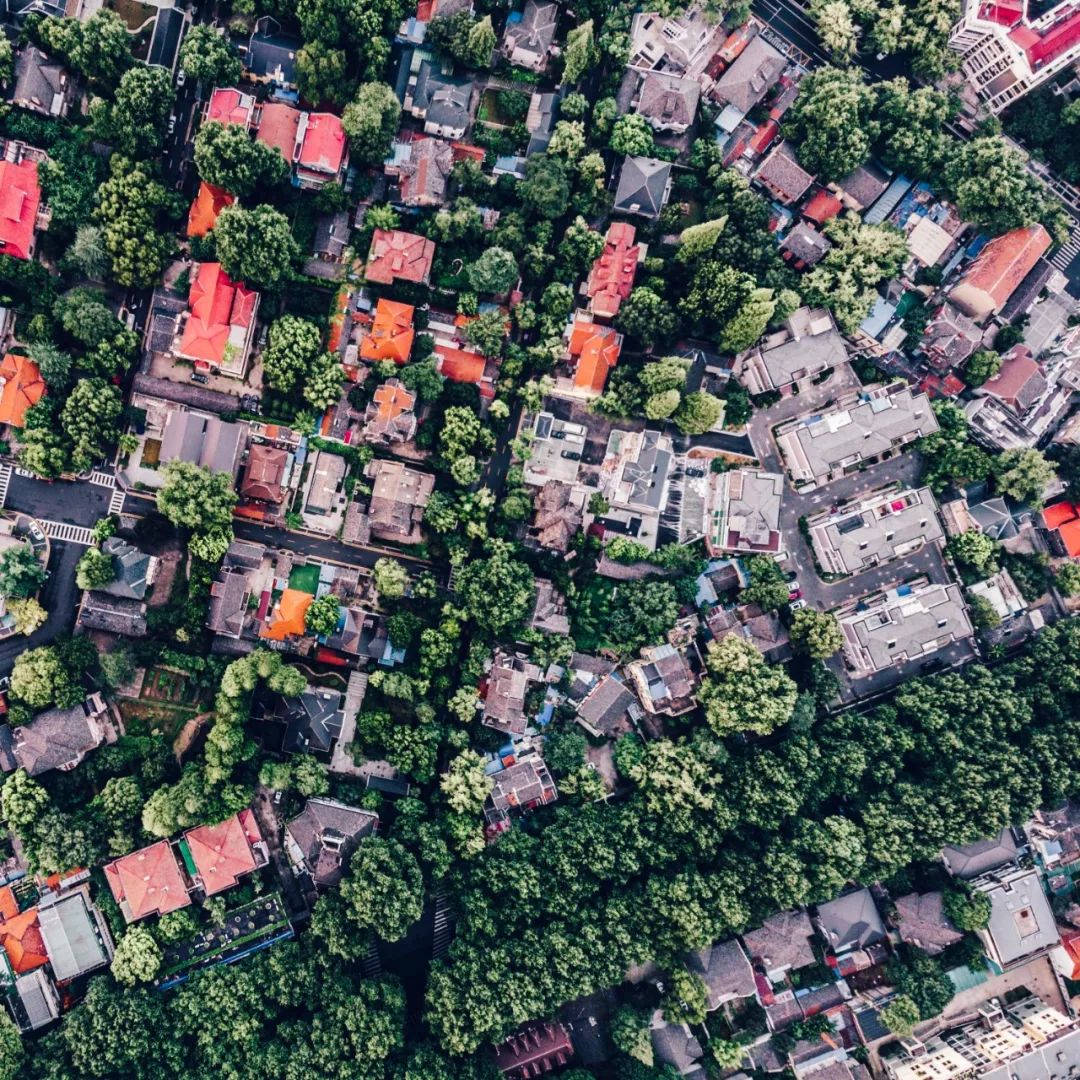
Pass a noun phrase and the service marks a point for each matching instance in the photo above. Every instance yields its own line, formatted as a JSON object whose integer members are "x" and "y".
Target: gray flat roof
{"x": 1021, "y": 922}
{"x": 71, "y": 938}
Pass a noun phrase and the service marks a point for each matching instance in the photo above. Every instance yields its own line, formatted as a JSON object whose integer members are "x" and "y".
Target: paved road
{"x": 61, "y": 500}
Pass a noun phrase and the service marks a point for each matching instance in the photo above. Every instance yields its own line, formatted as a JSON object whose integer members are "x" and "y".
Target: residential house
{"x": 1061, "y": 528}
{"x": 995, "y": 425}
{"x": 118, "y": 615}
{"x": 21, "y": 387}
{"x": 903, "y": 624}
{"x": 609, "y": 709}
{"x": 541, "y": 119}
{"x": 549, "y": 612}
{"x": 148, "y": 882}
{"x": 74, "y": 932}
{"x": 398, "y": 497}
{"x": 170, "y": 25}
{"x": 456, "y": 358}
{"x": 922, "y": 923}
{"x": 57, "y": 738}
{"x": 322, "y": 150}
{"x": 850, "y": 923}
{"x": 201, "y": 439}
{"x": 1002, "y": 594}
{"x": 205, "y": 208}
{"x": 763, "y": 629}
{"x": 949, "y": 338}
{"x": 523, "y": 785}
{"x": 860, "y": 189}
{"x": 390, "y": 417}
{"x": 611, "y": 279}
{"x": 535, "y": 1049}
{"x": 807, "y": 345}
{"x": 20, "y": 200}
{"x": 422, "y": 171}
{"x": 557, "y": 448}
{"x": 781, "y": 944}
{"x": 324, "y": 836}
{"x": 21, "y": 947}
{"x": 508, "y": 684}
{"x": 237, "y": 582}
{"x": 969, "y": 861}
{"x": 884, "y": 526}
{"x": 221, "y": 854}
{"x": 308, "y": 723}
{"x": 636, "y": 480}
{"x": 399, "y": 256}
{"x": 668, "y": 102}
{"x": 278, "y": 126}
{"x": 644, "y": 187}
{"x": 558, "y": 516}
{"x": 997, "y": 270}
{"x": 287, "y": 617}
{"x": 858, "y": 428}
{"x": 391, "y": 334}
{"x": 216, "y": 333}
{"x": 443, "y": 102}
{"x": 927, "y": 241}
{"x": 227, "y": 105}
{"x": 41, "y": 85}
{"x": 725, "y": 970}
{"x": 264, "y": 476}
{"x": 1022, "y": 923}
{"x": 742, "y": 512}
{"x": 781, "y": 175}
{"x": 676, "y": 1047}
{"x": 325, "y": 493}
{"x": 745, "y": 83}
{"x": 33, "y": 1001}
{"x": 530, "y": 34}
{"x": 332, "y": 234}
{"x": 680, "y": 45}
{"x": 664, "y": 681}
{"x": 804, "y": 247}
{"x": 270, "y": 56}
{"x": 134, "y": 569}
{"x": 594, "y": 350}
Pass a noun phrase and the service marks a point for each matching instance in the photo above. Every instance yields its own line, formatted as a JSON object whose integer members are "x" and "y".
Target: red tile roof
{"x": 22, "y": 387}
{"x": 1044, "y": 46}
{"x": 149, "y": 881}
{"x": 391, "y": 335}
{"x": 278, "y": 126}
{"x": 20, "y": 938}
{"x": 1064, "y": 518}
{"x": 762, "y": 139}
{"x": 230, "y": 106}
{"x": 612, "y": 275}
{"x": 218, "y": 306}
{"x": 822, "y": 207}
{"x": 264, "y": 474}
{"x": 1003, "y": 263}
{"x": 391, "y": 401}
{"x": 205, "y": 207}
{"x": 20, "y": 197}
{"x": 460, "y": 365}
{"x": 322, "y": 147}
{"x": 1018, "y": 367}
{"x": 222, "y": 853}
{"x": 597, "y": 351}
{"x": 399, "y": 256}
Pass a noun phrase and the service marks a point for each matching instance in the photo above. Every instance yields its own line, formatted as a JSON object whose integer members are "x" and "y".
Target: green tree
{"x": 838, "y": 31}
{"x": 322, "y": 616}
{"x": 975, "y": 550}
{"x": 497, "y": 591}
{"x": 949, "y": 456}
{"x": 90, "y": 421}
{"x": 912, "y": 139}
{"x": 832, "y": 122}
{"x": 24, "y": 801}
{"x": 646, "y": 317}
{"x": 322, "y": 388}
{"x": 292, "y": 347}
{"x": 749, "y": 322}
{"x": 134, "y": 121}
{"x": 127, "y": 208}
{"x": 817, "y": 633}
{"x": 12, "y": 1055}
{"x": 496, "y": 271}
{"x": 699, "y": 412}
{"x": 196, "y": 498}
{"x": 27, "y": 615}
{"x": 1024, "y": 475}
{"x": 686, "y": 999}
{"x": 1067, "y": 579}
{"x": 579, "y": 54}
{"x": 487, "y": 332}
{"x": 743, "y": 692}
{"x": 371, "y": 122}
{"x": 967, "y": 909}
{"x": 901, "y": 1015}
{"x": 229, "y": 158}
{"x": 40, "y": 679}
{"x": 632, "y": 135}
{"x": 661, "y": 405}
{"x": 208, "y": 55}
{"x": 384, "y": 889}
{"x": 630, "y": 1033}
{"x": 322, "y": 73}
{"x": 309, "y": 777}
{"x": 137, "y": 958}
{"x": 645, "y": 611}
{"x": 464, "y": 785}
{"x": 255, "y": 246}
{"x": 21, "y": 572}
{"x": 546, "y": 187}
{"x": 922, "y": 979}
{"x": 95, "y": 569}
{"x": 480, "y": 44}
{"x": 984, "y": 616}
{"x": 391, "y": 578}
{"x": 88, "y": 254}
{"x": 983, "y": 365}
{"x": 100, "y": 48}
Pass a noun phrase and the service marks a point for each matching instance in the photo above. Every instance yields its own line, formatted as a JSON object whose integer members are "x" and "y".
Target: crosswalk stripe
{"x": 116, "y": 503}
{"x": 71, "y": 534}
{"x": 1065, "y": 255}
{"x": 103, "y": 479}
{"x": 5, "y": 480}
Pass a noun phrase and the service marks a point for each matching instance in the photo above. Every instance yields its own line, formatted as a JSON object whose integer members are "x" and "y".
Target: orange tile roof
{"x": 399, "y": 256}
{"x": 1059, "y": 513}
{"x": 20, "y": 197}
{"x": 278, "y": 126}
{"x": 612, "y": 275}
{"x": 597, "y": 351}
{"x": 287, "y": 619}
{"x": 208, "y": 203}
{"x": 391, "y": 335}
{"x": 1000, "y": 267}
{"x": 391, "y": 400}
{"x": 218, "y": 304}
{"x": 22, "y": 387}
{"x": 459, "y": 365}
{"x": 221, "y": 853}
{"x": 822, "y": 207}
{"x": 149, "y": 880}
{"x": 1064, "y": 517}
{"x": 9, "y": 906}
{"x": 20, "y": 938}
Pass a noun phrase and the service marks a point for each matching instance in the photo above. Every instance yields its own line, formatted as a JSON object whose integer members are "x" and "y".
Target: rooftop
{"x": 20, "y": 197}
{"x": 223, "y": 853}
{"x": 644, "y": 185}
{"x": 147, "y": 882}
{"x": 399, "y": 256}
{"x": 21, "y": 386}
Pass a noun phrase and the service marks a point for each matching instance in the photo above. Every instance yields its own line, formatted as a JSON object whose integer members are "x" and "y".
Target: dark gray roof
{"x": 208, "y": 441}
{"x": 327, "y": 833}
{"x": 1027, "y": 291}
{"x": 782, "y": 941}
{"x": 922, "y": 922}
{"x": 851, "y": 922}
{"x": 749, "y": 78}
{"x": 445, "y": 100}
{"x": 168, "y": 33}
{"x": 806, "y": 243}
{"x": 57, "y": 737}
{"x": 725, "y": 970}
{"x": 608, "y": 705}
{"x": 312, "y": 721}
{"x": 40, "y": 83}
{"x": 643, "y": 185}
{"x": 113, "y": 614}
{"x": 675, "y": 1045}
{"x": 332, "y": 232}
{"x": 131, "y": 567}
{"x": 272, "y": 54}
{"x": 996, "y": 520}
{"x": 865, "y": 184}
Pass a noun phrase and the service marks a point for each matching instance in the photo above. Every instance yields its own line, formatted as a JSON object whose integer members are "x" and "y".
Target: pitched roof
{"x": 131, "y": 566}
{"x": 326, "y": 834}
{"x": 1019, "y": 382}
{"x": 322, "y": 143}
{"x": 21, "y": 387}
{"x": 782, "y": 941}
{"x": 222, "y": 853}
{"x": 749, "y": 78}
{"x": 533, "y": 1050}
{"x": 399, "y": 256}
{"x": 265, "y": 471}
{"x": 391, "y": 334}
{"x": 460, "y": 365}
{"x": 851, "y": 921}
{"x": 278, "y": 127}
{"x": 922, "y": 922}
{"x": 596, "y": 349}
{"x": 205, "y": 207}
{"x": 1064, "y": 519}
{"x": 20, "y": 938}
{"x": 725, "y": 970}
{"x": 55, "y": 738}
{"x": 611, "y": 278}
{"x": 231, "y": 106}
{"x": 666, "y": 100}
{"x": 822, "y": 207}
{"x": 147, "y": 882}
{"x": 41, "y": 84}
{"x": 20, "y": 197}
{"x": 782, "y": 174}
{"x": 643, "y": 186}
{"x": 287, "y": 619}
{"x": 219, "y": 306}
{"x": 999, "y": 268}
{"x": 391, "y": 411}
{"x": 423, "y": 176}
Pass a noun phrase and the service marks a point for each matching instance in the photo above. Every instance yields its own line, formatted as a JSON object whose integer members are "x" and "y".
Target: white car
{"x": 796, "y": 604}
{"x": 181, "y": 77}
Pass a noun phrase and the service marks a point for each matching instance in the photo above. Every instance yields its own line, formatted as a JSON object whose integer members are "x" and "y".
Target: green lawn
{"x": 305, "y": 578}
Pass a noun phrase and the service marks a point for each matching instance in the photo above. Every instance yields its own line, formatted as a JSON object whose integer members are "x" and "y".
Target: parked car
{"x": 694, "y": 472}
{"x": 797, "y": 604}
{"x": 793, "y": 587}
{"x": 571, "y": 455}
{"x": 200, "y": 378}
{"x": 794, "y": 594}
